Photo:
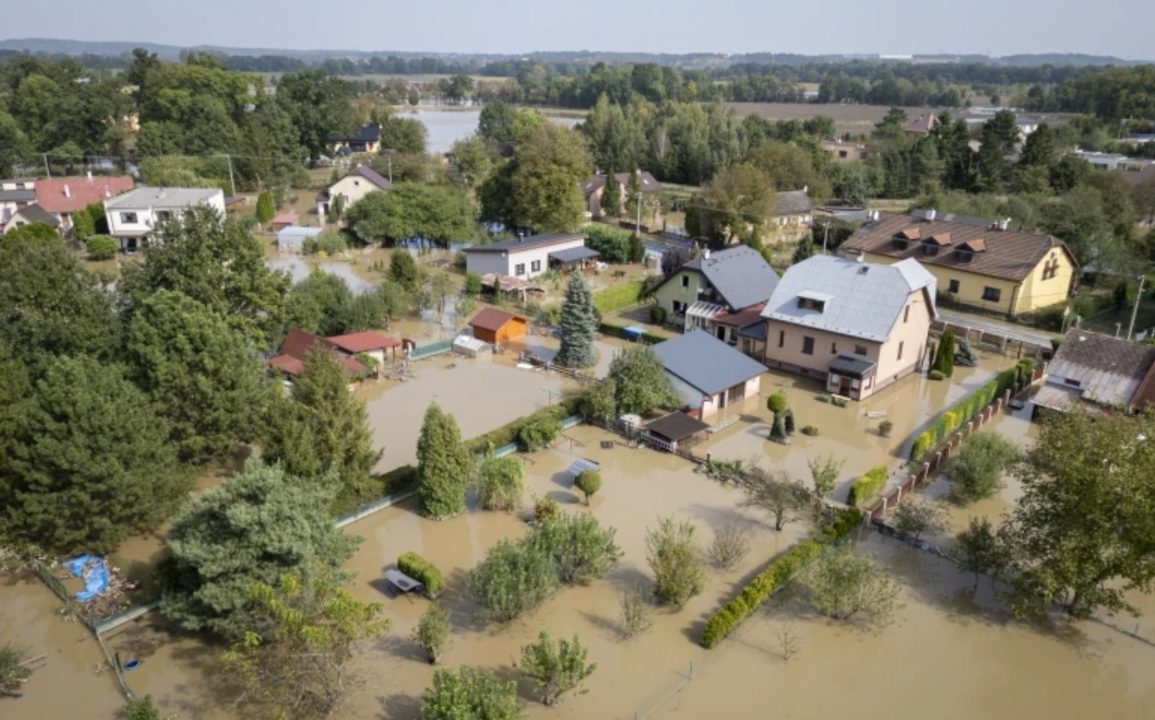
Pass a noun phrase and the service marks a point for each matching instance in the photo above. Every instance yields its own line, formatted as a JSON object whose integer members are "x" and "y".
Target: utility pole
{"x": 1135, "y": 309}
{"x": 232, "y": 180}
{"x": 47, "y": 170}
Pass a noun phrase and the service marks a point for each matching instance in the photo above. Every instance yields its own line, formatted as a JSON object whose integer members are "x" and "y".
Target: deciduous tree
{"x": 556, "y": 667}
{"x": 434, "y": 214}
{"x": 978, "y": 550}
{"x": 589, "y": 482}
{"x": 580, "y": 549}
{"x": 467, "y": 693}
{"x": 977, "y": 470}
{"x": 773, "y": 492}
{"x": 672, "y": 554}
{"x": 500, "y": 483}
{"x": 852, "y": 588}
{"x": 640, "y": 381}
{"x": 512, "y": 580}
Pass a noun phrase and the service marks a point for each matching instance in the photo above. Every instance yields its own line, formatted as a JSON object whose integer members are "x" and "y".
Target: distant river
{"x": 445, "y": 127}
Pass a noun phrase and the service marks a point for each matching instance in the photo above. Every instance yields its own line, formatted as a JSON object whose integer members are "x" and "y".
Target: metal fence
{"x": 427, "y": 351}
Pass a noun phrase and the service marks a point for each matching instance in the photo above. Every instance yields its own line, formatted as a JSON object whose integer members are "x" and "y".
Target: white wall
{"x": 506, "y": 262}
{"x": 146, "y": 218}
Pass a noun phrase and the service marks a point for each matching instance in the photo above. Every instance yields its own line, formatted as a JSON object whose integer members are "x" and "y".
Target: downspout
{"x": 1014, "y": 300}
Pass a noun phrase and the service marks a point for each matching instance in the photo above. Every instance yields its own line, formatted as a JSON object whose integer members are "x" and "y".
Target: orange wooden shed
{"x": 495, "y": 326}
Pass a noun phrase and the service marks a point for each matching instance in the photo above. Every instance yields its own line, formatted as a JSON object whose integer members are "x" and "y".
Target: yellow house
{"x": 977, "y": 264}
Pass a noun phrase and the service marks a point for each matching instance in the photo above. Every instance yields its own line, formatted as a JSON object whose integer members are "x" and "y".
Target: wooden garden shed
{"x": 495, "y": 326}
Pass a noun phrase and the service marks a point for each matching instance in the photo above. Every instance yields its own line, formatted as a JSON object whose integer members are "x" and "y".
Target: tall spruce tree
{"x": 612, "y": 195}
{"x": 579, "y": 325}
{"x": 323, "y": 429}
{"x": 944, "y": 356}
{"x": 266, "y": 211}
{"x": 443, "y": 465}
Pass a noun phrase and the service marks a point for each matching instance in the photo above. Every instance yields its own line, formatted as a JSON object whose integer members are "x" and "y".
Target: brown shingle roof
{"x": 1009, "y": 254}
{"x": 490, "y": 319}
{"x": 1105, "y": 369}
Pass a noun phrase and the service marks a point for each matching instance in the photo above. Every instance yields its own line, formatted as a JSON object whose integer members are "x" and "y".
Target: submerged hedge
{"x": 773, "y": 577}
{"x": 967, "y": 408}
{"x": 422, "y": 571}
{"x": 619, "y": 331}
{"x": 866, "y": 487}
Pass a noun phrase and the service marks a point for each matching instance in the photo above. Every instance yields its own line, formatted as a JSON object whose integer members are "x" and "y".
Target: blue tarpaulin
{"x": 633, "y": 332}
{"x": 95, "y": 573}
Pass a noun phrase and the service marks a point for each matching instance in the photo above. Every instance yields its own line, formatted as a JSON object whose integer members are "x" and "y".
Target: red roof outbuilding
{"x": 364, "y": 342}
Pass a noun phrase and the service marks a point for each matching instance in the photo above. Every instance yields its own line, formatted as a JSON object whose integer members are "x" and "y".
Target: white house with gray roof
{"x": 133, "y": 218}
{"x": 527, "y": 257}
{"x": 707, "y": 374}
{"x": 720, "y": 292}
{"x": 856, "y": 326}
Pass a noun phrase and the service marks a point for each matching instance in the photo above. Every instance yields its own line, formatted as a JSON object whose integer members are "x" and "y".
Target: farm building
{"x": 707, "y": 374}
{"x": 497, "y": 327}
{"x": 372, "y": 344}
{"x": 293, "y": 237}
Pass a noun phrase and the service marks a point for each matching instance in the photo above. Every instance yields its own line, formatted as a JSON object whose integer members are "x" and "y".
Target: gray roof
{"x": 17, "y": 195}
{"x": 372, "y": 176}
{"x": 793, "y": 202}
{"x": 740, "y": 275}
{"x": 1101, "y": 368}
{"x": 706, "y": 363}
{"x": 35, "y": 214}
{"x": 524, "y": 243}
{"x": 302, "y": 231}
{"x": 863, "y": 300}
{"x": 574, "y": 254}
{"x": 677, "y": 426}
{"x": 162, "y": 197}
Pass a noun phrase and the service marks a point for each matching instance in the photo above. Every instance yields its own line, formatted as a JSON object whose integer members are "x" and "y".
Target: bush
{"x": 809, "y": 430}
{"x": 555, "y": 667}
{"x": 422, "y": 571}
{"x": 539, "y": 433}
{"x": 658, "y": 315}
{"x": 500, "y": 483}
{"x": 461, "y": 262}
{"x": 968, "y": 407}
{"x": 773, "y": 577}
{"x": 546, "y": 510}
{"x": 731, "y": 543}
{"x": 936, "y": 375}
{"x": 839, "y": 401}
{"x": 101, "y": 247}
{"x": 467, "y": 693}
{"x": 511, "y": 580}
{"x": 777, "y": 402}
{"x": 866, "y": 487}
{"x": 472, "y": 283}
{"x": 618, "y": 296}
{"x": 432, "y": 631}
{"x": 673, "y": 556}
{"x": 329, "y": 243}
{"x": 978, "y": 467}
{"x": 613, "y": 245}
{"x": 509, "y": 432}
{"x": 885, "y": 427}
{"x": 589, "y": 482}
{"x": 579, "y": 548}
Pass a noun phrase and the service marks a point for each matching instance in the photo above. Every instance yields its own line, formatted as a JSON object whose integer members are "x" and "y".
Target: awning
{"x": 705, "y": 310}
{"x": 574, "y": 254}
{"x": 849, "y": 365}
{"x": 676, "y": 426}
{"x": 1062, "y": 399}
{"x": 757, "y": 331}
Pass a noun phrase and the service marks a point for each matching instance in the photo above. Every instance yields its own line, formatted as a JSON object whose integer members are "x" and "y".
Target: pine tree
{"x": 944, "y": 357}
{"x": 443, "y": 465}
{"x": 804, "y": 250}
{"x": 579, "y": 324}
{"x": 266, "y": 211}
{"x": 612, "y": 195}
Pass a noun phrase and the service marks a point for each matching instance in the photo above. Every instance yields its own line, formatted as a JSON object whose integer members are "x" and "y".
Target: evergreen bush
{"x": 422, "y": 571}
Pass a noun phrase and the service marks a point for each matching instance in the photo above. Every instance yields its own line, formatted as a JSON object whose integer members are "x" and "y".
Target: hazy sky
{"x": 998, "y": 27}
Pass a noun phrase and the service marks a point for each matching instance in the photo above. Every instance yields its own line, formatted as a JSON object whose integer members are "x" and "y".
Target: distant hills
{"x": 53, "y": 46}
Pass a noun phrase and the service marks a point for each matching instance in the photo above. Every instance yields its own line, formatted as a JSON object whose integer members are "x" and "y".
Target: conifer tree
{"x": 443, "y": 465}
{"x": 612, "y": 195}
{"x": 579, "y": 324}
{"x": 266, "y": 211}
{"x": 944, "y": 357}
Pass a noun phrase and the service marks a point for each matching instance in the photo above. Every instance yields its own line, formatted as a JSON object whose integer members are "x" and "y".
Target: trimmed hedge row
{"x": 397, "y": 480}
{"x": 422, "y": 571}
{"x": 968, "y": 407}
{"x": 866, "y": 487}
{"x": 510, "y": 432}
{"x": 618, "y": 296}
{"x": 773, "y": 577}
{"x": 619, "y": 331}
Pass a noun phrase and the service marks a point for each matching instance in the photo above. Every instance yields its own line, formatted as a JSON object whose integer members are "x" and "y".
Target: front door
{"x": 721, "y": 332}
{"x": 844, "y": 387}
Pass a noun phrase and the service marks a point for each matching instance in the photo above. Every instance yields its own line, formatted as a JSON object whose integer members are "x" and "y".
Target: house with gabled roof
{"x": 977, "y": 263}
{"x": 366, "y": 139}
{"x": 290, "y": 358}
{"x": 719, "y": 292}
{"x": 1093, "y": 372}
{"x": 856, "y": 326}
{"x": 594, "y": 188}
{"x": 525, "y": 257}
{"x": 793, "y": 207}
{"x": 351, "y": 188}
{"x": 27, "y": 215}
{"x": 64, "y": 196}
{"x": 707, "y": 374}
{"x": 921, "y": 125}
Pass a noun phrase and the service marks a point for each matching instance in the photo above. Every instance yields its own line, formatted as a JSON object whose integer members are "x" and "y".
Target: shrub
{"x": 101, "y": 247}
{"x": 968, "y": 407}
{"x": 539, "y": 433}
{"x": 809, "y": 430}
{"x": 936, "y": 375}
{"x": 423, "y": 571}
{"x": 823, "y": 397}
{"x": 914, "y": 516}
{"x": 460, "y": 262}
{"x": 555, "y": 667}
{"x": 979, "y": 465}
{"x": 773, "y": 577}
{"x": 731, "y": 543}
{"x": 509, "y": 432}
{"x": 329, "y": 243}
{"x": 432, "y": 631}
{"x": 673, "y": 556}
{"x": 500, "y": 483}
{"x": 839, "y": 401}
{"x": 885, "y": 427}
{"x": 511, "y": 580}
{"x": 589, "y": 482}
{"x": 636, "y": 615}
{"x": 866, "y": 487}
{"x": 658, "y": 315}
{"x": 579, "y": 548}
{"x": 467, "y": 693}
{"x": 472, "y": 283}
{"x": 546, "y": 510}
{"x": 613, "y": 245}
{"x": 844, "y": 586}
{"x": 777, "y": 402}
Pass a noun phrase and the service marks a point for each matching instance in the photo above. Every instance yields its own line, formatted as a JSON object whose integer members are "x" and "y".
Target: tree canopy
{"x": 443, "y": 465}
{"x": 579, "y": 325}
{"x": 435, "y": 214}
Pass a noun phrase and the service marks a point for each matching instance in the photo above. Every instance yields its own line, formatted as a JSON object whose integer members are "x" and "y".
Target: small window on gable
{"x": 685, "y": 281}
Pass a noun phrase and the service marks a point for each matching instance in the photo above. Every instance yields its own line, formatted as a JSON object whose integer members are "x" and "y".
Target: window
{"x": 163, "y": 215}
{"x": 859, "y": 349}
{"x": 1071, "y": 382}
{"x": 781, "y": 338}
{"x": 811, "y": 304}
{"x": 953, "y": 287}
{"x": 679, "y": 307}
{"x": 900, "y": 350}
{"x": 906, "y": 313}
{"x": 842, "y": 154}
{"x": 1051, "y": 268}
{"x": 519, "y": 269}
{"x": 128, "y": 217}
{"x": 833, "y": 348}
{"x": 807, "y": 346}
{"x": 535, "y": 266}
{"x": 685, "y": 281}
{"x": 992, "y": 294}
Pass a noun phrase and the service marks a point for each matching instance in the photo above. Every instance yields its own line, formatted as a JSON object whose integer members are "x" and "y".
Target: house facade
{"x": 856, "y": 326}
{"x": 715, "y": 292}
{"x": 521, "y": 257}
{"x": 367, "y": 139}
{"x": 30, "y": 214}
{"x": 134, "y": 216}
{"x": 707, "y": 374}
{"x": 594, "y": 189}
{"x": 977, "y": 263}
{"x": 351, "y": 188}
{"x": 844, "y": 150}
{"x": 794, "y": 208}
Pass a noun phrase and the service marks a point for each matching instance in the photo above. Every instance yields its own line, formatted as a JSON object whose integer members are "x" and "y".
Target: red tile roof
{"x": 490, "y": 319}
{"x": 364, "y": 341}
{"x": 743, "y": 318}
{"x": 286, "y": 219}
{"x": 69, "y": 194}
{"x": 296, "y": 348}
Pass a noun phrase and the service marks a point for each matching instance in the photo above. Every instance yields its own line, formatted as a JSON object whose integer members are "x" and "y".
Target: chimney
{"x": 89, "y": 174}
{"x": 67, "y": 192}
{"x": 705, "y": 253}
{"x": 860, "y": 257}
{"x": 931, "y": 215}
{"x": 1006, "y": 223}
{"x": 805, "y": 189}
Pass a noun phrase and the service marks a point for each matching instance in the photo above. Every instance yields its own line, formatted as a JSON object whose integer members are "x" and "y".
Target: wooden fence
{"x": 928, "y": 469}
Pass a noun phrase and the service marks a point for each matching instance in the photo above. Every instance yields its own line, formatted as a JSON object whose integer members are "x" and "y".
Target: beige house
{"x": 595, "y": 187}
{"x": 977, "y": 263}
{"x": 844, "y": 150}
{"x": 351, "y": 188}
{"x": 856, "y": 326}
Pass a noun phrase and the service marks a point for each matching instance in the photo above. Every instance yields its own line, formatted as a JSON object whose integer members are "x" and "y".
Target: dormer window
{"x": 967, "y": 250}
{"x": 965, "y": 255}
{"x": 811, "y": 304}
{"x": 929, "y": 248}
{"x": 903, "y": 239}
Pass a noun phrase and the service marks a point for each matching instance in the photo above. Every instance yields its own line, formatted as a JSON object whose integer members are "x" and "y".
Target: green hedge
{"x": 397, "y": 480}
{"x": 422, "y": 571}
{"x": 619, "y": 296}
{"x": 619, "y": 331}
{"x": 780, "y": 570}
{"x": 967, "y": 408}
{"x": 509, "y": 432}
{"x": 866, "y": 487}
